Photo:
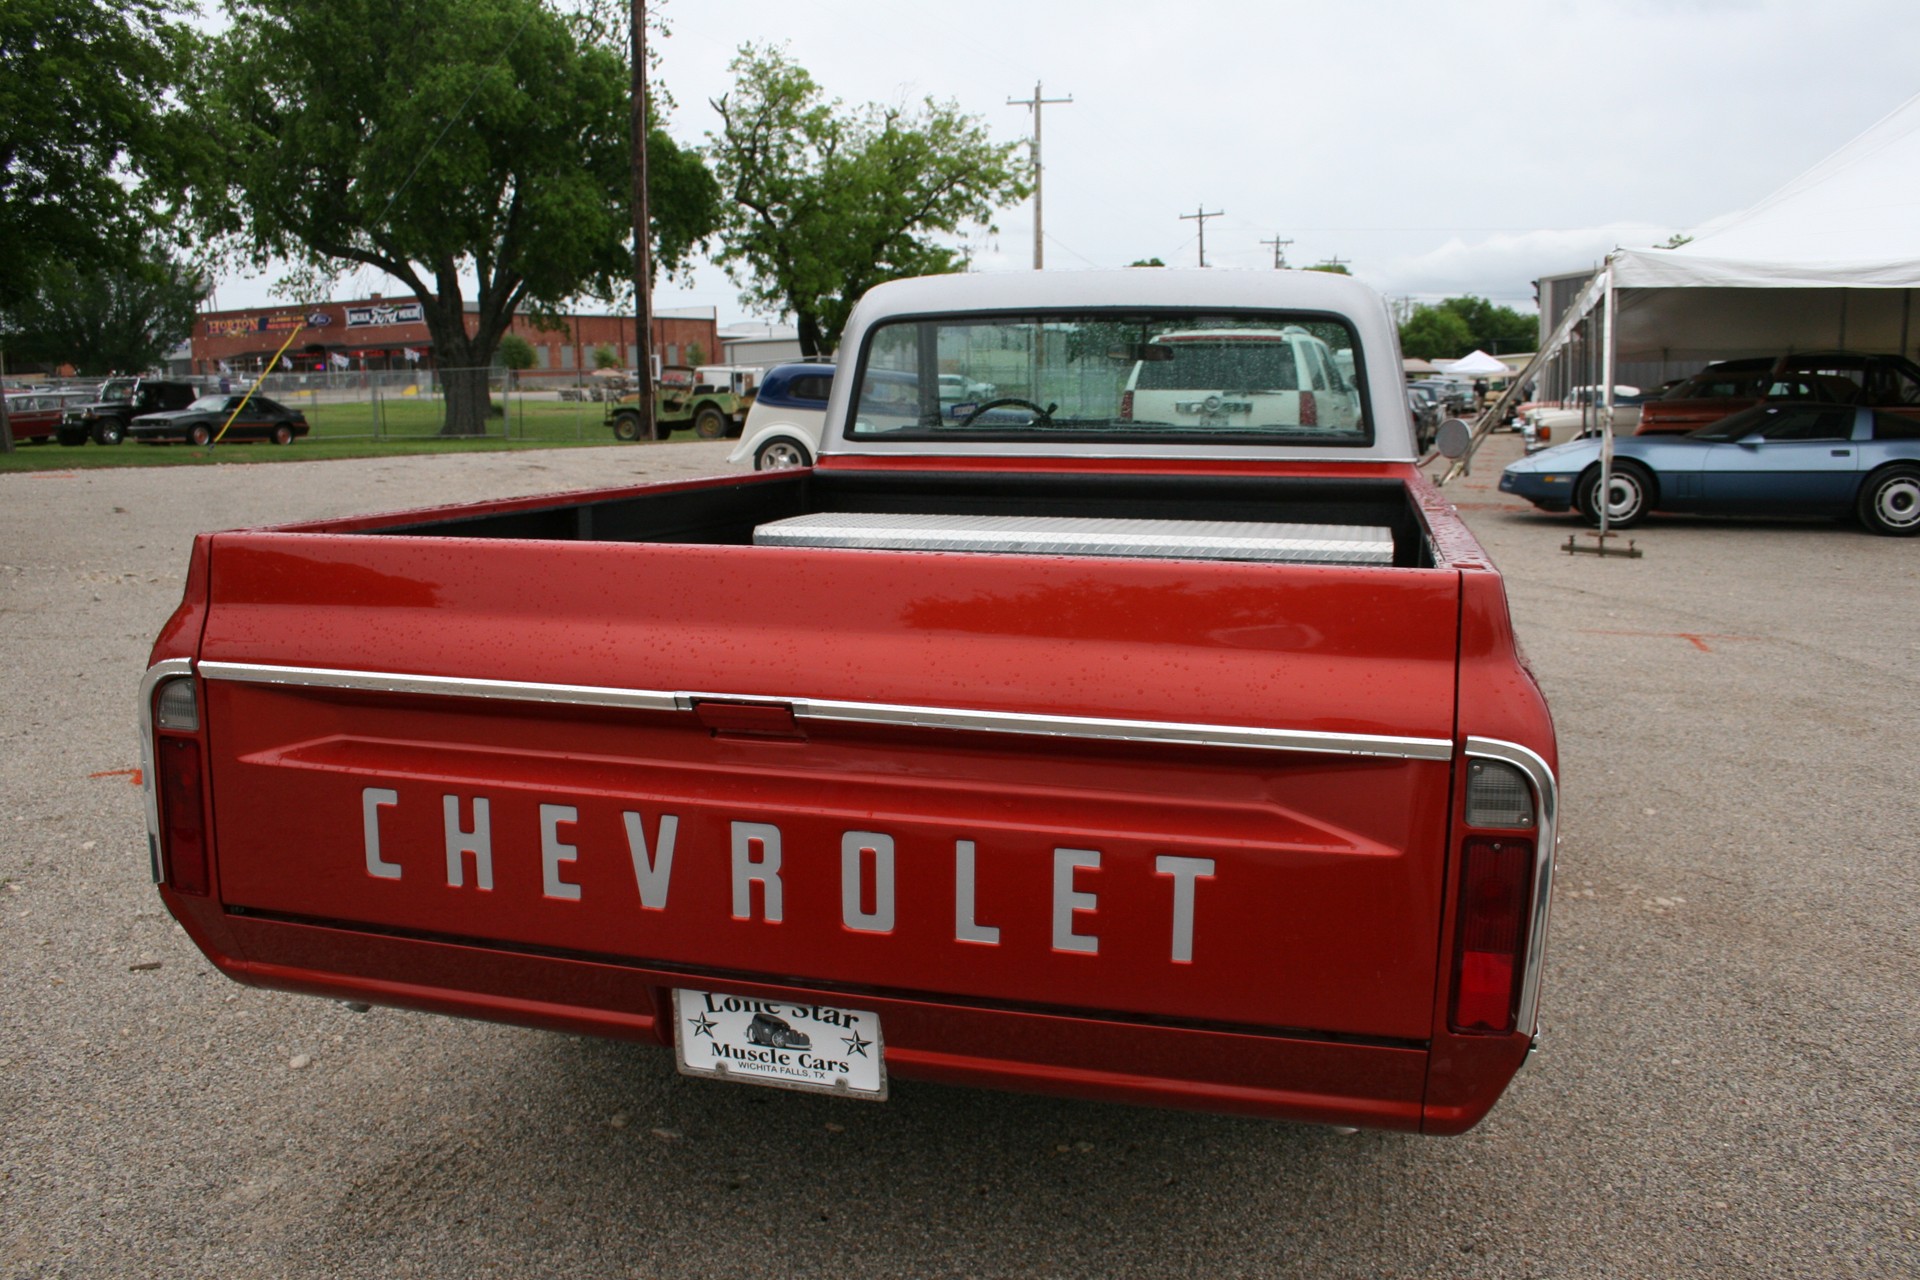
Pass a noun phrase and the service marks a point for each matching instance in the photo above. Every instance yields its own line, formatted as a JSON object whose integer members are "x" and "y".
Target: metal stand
{"x": 1600, "y": 547}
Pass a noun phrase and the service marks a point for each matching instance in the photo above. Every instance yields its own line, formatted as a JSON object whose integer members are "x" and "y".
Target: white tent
{"x": 1829, "y": 260}
{"x": 1477, "y": 364}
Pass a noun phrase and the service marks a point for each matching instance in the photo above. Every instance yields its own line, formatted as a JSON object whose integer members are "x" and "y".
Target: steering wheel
{"x": 1040, "y": 415}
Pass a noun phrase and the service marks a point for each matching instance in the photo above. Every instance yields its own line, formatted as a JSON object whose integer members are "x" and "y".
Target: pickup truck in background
{"x": 105, "y": 420}
{"x": 1042, "y": 741}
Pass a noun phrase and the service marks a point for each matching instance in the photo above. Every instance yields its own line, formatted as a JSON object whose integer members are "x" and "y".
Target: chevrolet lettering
{"x": 754, "y": 856}
{"x": 1149, "y": 730}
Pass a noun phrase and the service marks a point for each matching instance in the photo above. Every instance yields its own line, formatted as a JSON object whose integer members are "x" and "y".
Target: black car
{"x": 201, "y": 422}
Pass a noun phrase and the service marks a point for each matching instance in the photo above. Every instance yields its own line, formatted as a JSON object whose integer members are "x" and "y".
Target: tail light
{"x": 1309, "y": 410}
{"x": 1543, "y": 434}
{"x": 1126, "y": 407}
{"x": 179, "y": 775}
{"x": 1496, "y": 877}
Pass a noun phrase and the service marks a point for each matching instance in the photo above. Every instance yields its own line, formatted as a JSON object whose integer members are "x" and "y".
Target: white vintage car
{"x": 783, "y": 426}
{"x": 1544, "y": 427}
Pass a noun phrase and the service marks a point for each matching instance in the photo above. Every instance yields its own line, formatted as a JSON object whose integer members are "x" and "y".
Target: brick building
{"x": 390, "y": 333}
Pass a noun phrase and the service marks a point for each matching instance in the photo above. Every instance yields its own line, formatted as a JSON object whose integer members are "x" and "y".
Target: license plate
{"x": 817, "y": 1048}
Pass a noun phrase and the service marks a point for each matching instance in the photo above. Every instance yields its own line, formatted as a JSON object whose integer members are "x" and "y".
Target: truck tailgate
{"x": 1201, "y": 792}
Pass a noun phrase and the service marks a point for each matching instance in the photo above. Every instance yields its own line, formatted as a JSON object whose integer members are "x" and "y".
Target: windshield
{"x": 120, "y": 389}
{"x": 207, "y": 404}
{"x": 1255, "y": 378}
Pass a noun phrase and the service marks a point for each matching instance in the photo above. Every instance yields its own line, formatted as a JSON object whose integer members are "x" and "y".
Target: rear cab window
{"x": 1162, "y": 375}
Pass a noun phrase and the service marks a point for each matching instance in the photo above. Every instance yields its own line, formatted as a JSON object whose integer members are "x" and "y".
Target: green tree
{"x": 89, "y": 131}
{"x": 120, "y": 318}
{"x": 440, "y": 141}
{"x": 825, "y": 203}
{"x": 1451, "y": 328}
{"x": 1435, "y": 333}
{"x": 1147, "y": 262}
{"x": 1494, "y": 328}
{"x": 695, "y": 354}
{"x": 605, "y": 357}
{"x": 1331, "y": 268}
{"x": 88, "y": 134}
{"x": 515, "y": 353}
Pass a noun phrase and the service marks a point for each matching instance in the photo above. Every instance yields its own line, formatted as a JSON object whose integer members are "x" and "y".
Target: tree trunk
{"x": 463, "y": 362}
{"x": 468, "y": 400}
{"x": 6, "y": 426}
{"x": 808, "y": 326}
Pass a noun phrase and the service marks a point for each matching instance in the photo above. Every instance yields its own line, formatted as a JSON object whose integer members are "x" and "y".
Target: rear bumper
{"x": 1285, "y": 1076}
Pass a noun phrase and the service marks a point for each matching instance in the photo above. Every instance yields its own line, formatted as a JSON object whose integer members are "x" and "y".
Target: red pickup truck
{"x": 1021, "y": 742}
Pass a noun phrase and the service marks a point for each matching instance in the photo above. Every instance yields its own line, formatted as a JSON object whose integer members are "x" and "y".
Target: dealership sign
{"x": 379, "y": 314}
{"x": 236, "y": 326}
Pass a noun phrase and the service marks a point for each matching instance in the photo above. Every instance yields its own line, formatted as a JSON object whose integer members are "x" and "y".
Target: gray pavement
{"x": 1727, "y": 1086}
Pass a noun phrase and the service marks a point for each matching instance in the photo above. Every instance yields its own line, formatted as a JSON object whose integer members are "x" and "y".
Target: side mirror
{"x": 1453, "y": 439}
{"x": 1751, "y": 442}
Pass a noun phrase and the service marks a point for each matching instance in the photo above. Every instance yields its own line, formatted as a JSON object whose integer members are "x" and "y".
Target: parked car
{"x": 1455, "y": 397}
{"x": 1424, "y": 405}
{"x": 1252, "y": 379}
{"x": 1772, "y": 459}
{"x": 956, "y": 386}
{"x": 1832, "y": 377}
{"x": 34, "y": 416}
{"x": 1541, "y": 426}
{"x": 201, "y": 421}
{"x": 104, "y": 420}
{"x": 783, "y": 426}
{"x": 712, "y": 399}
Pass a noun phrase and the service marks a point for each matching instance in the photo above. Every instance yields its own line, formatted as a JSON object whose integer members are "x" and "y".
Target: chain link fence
{"x": 401, "y": 404}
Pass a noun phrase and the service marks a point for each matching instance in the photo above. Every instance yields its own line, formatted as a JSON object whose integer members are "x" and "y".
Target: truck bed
{"x": 727, "y": 512}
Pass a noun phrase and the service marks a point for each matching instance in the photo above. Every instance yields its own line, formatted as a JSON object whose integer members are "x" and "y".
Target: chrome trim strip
{"x": 445, "y": 686}
{"x": 1547, "y": 794}
{"x": 1143, "y": 731}
{"x": 149, "y": 785}
{"x": 829, "y": 710}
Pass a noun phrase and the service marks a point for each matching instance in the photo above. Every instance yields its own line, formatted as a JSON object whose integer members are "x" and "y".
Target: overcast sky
{"x": 1438, "y": 147}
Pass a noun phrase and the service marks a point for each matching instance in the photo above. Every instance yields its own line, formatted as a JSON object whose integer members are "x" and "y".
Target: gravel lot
{"x": 1727, "y": 1086}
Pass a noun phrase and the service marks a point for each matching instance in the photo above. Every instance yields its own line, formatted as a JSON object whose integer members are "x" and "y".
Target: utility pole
{"x": 1034, "y": 104}
{"x": 642, "y": 224}
{"x": 1279, "y": 252}
{"x": 1201, "y": 215}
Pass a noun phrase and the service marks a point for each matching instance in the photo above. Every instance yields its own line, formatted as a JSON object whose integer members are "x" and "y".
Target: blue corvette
{"x": 1772, "y": 459}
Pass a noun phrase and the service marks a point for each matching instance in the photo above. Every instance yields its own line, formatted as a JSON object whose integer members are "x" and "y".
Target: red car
{"x": 1889, "y": 383}
{"x": 34, "y": 416}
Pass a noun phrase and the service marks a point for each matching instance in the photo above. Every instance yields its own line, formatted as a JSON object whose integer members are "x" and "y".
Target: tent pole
{"x": 1605, "y": 399}
{"x": 1604, "y": 341}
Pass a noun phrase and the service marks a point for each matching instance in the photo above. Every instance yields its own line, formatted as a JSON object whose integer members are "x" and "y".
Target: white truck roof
{"x": 1143, "y": 289}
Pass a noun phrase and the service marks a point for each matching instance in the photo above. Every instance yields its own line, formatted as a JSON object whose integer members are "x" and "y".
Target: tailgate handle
{"x": 748, "y": 719}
